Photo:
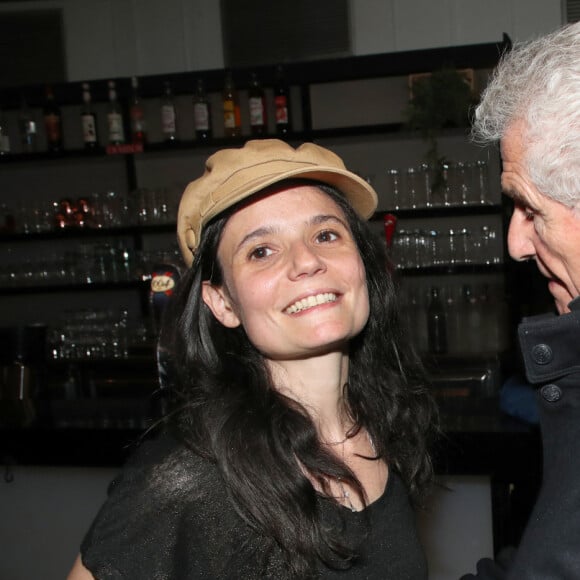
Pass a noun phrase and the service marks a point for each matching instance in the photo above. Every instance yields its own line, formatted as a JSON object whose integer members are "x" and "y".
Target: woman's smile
{"x": 311, "y": 301}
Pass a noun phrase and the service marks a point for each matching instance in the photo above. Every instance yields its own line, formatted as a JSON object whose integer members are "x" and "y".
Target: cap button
{"x": 551, "y": 393}
{"x": 190, "y": 239}
{"x": 542, "y": 354}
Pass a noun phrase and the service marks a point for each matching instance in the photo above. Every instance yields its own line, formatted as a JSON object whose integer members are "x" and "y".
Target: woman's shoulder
{"x": 166, "y": 496}
{"x": 164, "y": 468}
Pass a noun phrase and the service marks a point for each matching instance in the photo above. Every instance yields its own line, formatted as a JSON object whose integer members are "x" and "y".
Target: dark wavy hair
{"x": 226, "y": 409}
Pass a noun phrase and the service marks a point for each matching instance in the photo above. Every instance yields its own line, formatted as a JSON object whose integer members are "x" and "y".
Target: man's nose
{"x": 521, "y": 235}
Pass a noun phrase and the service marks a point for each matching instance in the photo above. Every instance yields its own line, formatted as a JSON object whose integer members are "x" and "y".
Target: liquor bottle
{"x": 231, "y": 105}
{"x": 472, "y": 336}
{"x": 281, "y": 103}
{"x": 88, "y": 120}
{"x": 257, "y": 105}
{"x": 436, "y": 324}
{"x": 168, "y": 115}
{"x": 115, "y": 118}
{"x": 52, "y": 122}
{"x": 4, "y": 137}
{"x": 201, "y": 112}
{"x": 27, "y": 127}
{"x": 137, "y": 114}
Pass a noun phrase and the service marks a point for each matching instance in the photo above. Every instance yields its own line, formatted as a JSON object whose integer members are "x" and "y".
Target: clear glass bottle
{"x": 88, "y": 120}
{"x": 471, "y": 322}
{"x": 453, "y": 318}
{"x": 168, "y": 115}
{"x": 231, "y": 108}
{"x": 137, "y": 114}
{"x": 257, "y": 106}
{"x": 282, "y": 103}
{"x": 115, "y": 121}
{"x": 52, "y": 122}
{"x": 201, "y": 112}
{"x": 436, "y": 323}
{"x": 27, "y": 127}
{"x": 4, "y": 136}
{"x": 416, "y": 314}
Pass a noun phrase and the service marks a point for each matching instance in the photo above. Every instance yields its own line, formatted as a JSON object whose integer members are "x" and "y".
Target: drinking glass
{"x": 482, "y": 181}
{"x": 394, "y": 193}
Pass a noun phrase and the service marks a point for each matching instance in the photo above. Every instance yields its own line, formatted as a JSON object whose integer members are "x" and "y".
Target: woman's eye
{"x": 260, "y": 253}
{"x": 327, "y": 236}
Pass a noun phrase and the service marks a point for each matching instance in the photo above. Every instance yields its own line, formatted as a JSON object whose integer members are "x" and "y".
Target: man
{"x": 532, "y": 107}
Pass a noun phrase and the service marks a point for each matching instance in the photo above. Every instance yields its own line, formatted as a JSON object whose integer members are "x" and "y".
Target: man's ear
{"x": 219, "y": 303}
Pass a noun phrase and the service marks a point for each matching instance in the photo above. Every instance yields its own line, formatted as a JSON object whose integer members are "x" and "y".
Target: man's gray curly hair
{"x": 538, "y": 83}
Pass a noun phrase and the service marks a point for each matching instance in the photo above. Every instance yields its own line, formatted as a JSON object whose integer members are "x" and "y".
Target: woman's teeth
{"x": 311, "y": 301}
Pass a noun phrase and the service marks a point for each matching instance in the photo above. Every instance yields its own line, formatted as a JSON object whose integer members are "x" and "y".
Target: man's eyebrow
{"x": 515, "y": 195}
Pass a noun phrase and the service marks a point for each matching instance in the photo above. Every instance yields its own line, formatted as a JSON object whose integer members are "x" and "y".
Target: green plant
{"x": 439, "y": 100}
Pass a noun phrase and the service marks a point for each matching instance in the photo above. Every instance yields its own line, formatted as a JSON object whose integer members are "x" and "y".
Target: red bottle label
{"x": 52, "y": 125}
{"x": 281, "y": 104}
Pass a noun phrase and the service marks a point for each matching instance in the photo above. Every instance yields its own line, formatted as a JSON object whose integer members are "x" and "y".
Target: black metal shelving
{"x": 300, "y": 77}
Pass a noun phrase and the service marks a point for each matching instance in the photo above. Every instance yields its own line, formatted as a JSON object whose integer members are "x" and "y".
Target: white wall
{"x": 394, "y": 25}
{"x": 45, "y": 513}
{"x": 115, "y": 38}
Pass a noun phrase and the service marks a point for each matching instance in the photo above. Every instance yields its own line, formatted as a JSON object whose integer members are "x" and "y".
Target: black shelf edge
{"x": 451, "y": 269}
{"x": 73, "y": 287}
{"x": 117, "y": 363}
{"x": 440, "y": 211}
{"x": 395, "y": 130}
{"x": 63, "y": 155}
{"x": 81, "y": 233}
{"x": 484, "y": 55}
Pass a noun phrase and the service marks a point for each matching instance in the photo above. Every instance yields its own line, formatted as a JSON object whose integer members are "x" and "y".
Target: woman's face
{"x": 293, "y": 276}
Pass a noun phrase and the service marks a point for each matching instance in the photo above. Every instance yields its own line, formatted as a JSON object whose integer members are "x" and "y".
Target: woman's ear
{"x": 220, "y": 304}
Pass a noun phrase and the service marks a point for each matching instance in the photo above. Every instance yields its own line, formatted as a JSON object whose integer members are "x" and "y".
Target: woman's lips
{"x": 310, "y": 302}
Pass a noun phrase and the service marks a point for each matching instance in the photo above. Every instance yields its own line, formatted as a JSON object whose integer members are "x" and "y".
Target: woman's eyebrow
{"x": 257, "y": 233}
{"x": 324, "y": 218}
{"x": 269, "y": 230}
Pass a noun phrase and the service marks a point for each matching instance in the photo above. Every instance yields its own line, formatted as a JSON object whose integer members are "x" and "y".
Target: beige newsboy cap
{"x": 232, "y": 175}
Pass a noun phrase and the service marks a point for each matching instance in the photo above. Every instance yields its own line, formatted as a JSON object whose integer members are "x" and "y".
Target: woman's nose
{"x": 521, "y": 235}
{"x": 305, "y": 260}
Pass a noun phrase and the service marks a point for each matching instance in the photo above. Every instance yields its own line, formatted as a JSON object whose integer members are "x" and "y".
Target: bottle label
{"x": 257, "y": 116}
{"x": 4, "y": 143}
{"x": 52, "y": 125}
{"x": 229, "y": 115}
{"x": 168, "y": 119}
{"x": 29, "y": 127}
{"x": 116, "y": 132}
{"x": 89, "y": 128}
{"x": 281, "y": 105}
{"x": 137, "y": 120}
{"x": 201, "y": 116}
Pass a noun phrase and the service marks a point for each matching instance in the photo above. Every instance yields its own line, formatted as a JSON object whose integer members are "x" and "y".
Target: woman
{"x": 300, "y": 422}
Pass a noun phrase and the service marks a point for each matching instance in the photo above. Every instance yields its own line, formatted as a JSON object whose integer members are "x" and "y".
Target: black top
{"x": 168, "y": 516}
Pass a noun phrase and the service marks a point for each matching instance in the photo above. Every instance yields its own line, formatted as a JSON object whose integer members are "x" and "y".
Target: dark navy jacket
{"x": 550, "y": 546}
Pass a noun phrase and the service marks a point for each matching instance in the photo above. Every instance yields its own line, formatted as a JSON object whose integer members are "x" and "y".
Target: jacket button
{"x": 551, "y": 393}
{"x": 542, "y": 354}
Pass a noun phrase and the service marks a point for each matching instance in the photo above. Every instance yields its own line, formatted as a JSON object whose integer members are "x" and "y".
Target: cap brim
{"x": 358, "y": 192}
